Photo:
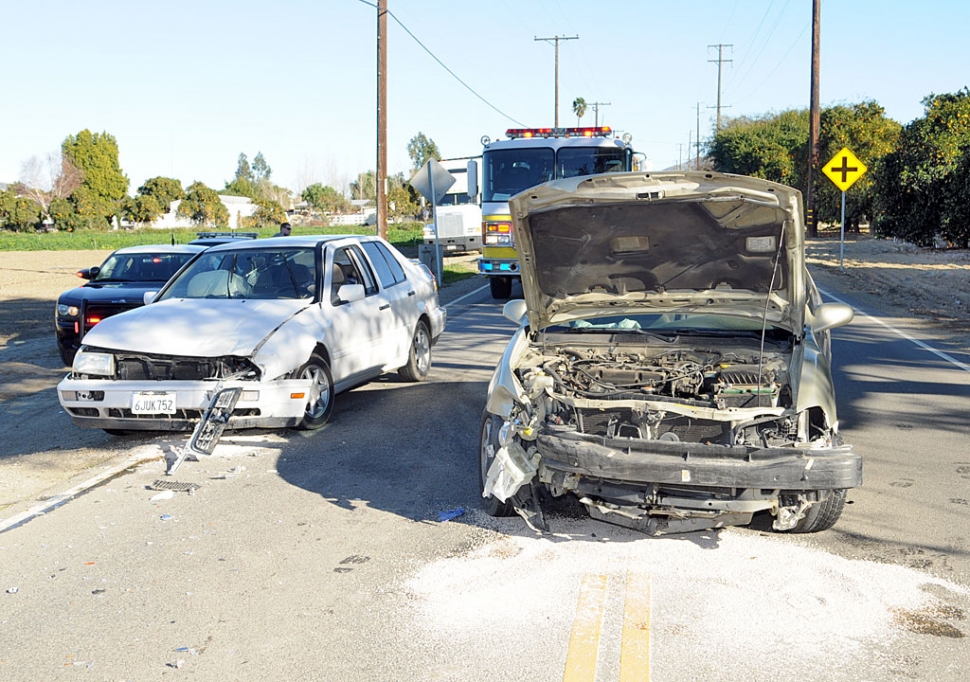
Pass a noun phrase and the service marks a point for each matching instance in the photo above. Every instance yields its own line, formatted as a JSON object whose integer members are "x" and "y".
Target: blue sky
{"x": 186, "y": 85}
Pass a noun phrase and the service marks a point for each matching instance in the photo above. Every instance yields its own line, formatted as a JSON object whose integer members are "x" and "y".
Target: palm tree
{"x": 579, "y": 108}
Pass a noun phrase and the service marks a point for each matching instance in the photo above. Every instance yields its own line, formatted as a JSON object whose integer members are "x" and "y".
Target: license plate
{"x": 150, "y": 402}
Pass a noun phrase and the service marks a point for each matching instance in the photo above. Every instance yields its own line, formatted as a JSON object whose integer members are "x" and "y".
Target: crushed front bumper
{"x": 106, "y": 404}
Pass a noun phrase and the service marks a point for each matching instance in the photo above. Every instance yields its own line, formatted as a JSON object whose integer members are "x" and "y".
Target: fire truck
{"x": 530, "y": 157}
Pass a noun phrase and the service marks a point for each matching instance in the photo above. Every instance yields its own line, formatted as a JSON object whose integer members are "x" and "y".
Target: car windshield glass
{"x": 509, "y": 171}
{"x": 141, "y": 267}
{"x": 248, "y": 273}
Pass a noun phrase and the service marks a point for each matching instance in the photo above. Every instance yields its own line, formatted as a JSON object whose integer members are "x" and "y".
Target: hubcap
{"x": 318, "y": 398}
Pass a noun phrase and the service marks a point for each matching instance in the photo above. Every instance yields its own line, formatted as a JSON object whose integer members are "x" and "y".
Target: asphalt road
{"x": 321, "y": 556}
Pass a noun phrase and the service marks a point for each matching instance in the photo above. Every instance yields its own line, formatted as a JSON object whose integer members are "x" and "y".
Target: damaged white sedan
{"x": 278, "y": 326}
{"x": 672, "y": 368}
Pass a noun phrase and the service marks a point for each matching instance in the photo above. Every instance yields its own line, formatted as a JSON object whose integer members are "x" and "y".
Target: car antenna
{"x": 764, "y": 315}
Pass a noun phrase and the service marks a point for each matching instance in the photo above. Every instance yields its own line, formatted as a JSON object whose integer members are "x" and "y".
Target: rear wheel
{"x": 488, "y": 446}
{"x": 822, "y": 515}
{"x": 501, "y": 287}
{"x": 419, "y": 357}
{"x": 319, "y": 399}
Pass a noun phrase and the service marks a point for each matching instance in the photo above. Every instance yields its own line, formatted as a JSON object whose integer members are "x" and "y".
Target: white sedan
{"x": 289, "y": 321}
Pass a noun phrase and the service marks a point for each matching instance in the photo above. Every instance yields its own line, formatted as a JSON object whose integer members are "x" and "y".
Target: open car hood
{"x": 693, "y": 242}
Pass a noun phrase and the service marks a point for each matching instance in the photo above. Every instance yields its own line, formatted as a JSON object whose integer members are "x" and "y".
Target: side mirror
{"x": 515, "y": 311}
{"x": 348, "y": 293}
{"x": 88, "y": 273}
{"x": 829, "y": 316}
{"x": 149, "y": 297}
{"x": 472, "y": 179}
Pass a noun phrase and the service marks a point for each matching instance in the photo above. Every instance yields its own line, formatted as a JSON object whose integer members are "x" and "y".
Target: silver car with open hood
{"x": 672, "y": 368}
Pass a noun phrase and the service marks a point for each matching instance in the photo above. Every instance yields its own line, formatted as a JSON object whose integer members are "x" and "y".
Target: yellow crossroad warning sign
{"x": 844, "y": 169}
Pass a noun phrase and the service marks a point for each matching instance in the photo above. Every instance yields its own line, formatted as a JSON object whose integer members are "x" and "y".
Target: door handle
{"x": 411, "y": 293}
{"x": 385, "y": 306}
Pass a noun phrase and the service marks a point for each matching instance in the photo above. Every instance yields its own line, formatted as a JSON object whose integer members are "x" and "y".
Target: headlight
{"x": 67, "y": 310}
{"x": 96, "y": 364}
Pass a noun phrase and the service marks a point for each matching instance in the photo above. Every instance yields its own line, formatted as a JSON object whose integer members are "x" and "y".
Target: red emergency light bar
{"x": 526, "y": 133}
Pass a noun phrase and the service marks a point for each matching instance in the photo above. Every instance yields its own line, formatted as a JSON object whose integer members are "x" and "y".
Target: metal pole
{"x": 842, "y": 243}
{"x": 380, "y": 181}
{"x": 434, "y": 217}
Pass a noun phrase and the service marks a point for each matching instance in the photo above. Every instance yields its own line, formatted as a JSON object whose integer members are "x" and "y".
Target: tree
{"x": 865, "y": 130}
{"x": 365, "y": 187}
{"x": 44, "y": 181}
{"x": 919, "y": 184}
{"x": 18, "y": 213}
{"x": 261, "y": 169}
{"x": 773, "y": 147}
{"x": 164, "y": 190}
{"x": 325, "y": 199}
{"x": 143, "y": 209}
{"x": 98, "y": 197}
{"x": 579, "y": 108}
{"x": 267, "y": 213}
{"x": 402, "y": 198}
{"x": 202, "y": 206}
{"x": 242, "y": 168}
{"x": 422, "y": 148}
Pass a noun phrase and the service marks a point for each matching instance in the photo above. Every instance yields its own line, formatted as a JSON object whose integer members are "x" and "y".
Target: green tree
{"x": 919, "y": 184}
{"x": 402, "y": 199}
{"x": 18, "y": 213}
{"x": 773, "y": 147}
{"x": 243, "y": 169}
{"x": 164, "y": 190}
{"x": 864, "y": 129}
{"x": 420, "y": 149}
{"x": 261, "y": 169}
{"x": 143, "y": 209}
{"x": 242, "y": 187}
{"x": 103, "y": 186}
{"x": 202, "y": 206}
{"x": 325, "y": 199}
{"x": 579, "y": 108}
{"x": 365, "y": 187}
{"x": 267, "y": 213}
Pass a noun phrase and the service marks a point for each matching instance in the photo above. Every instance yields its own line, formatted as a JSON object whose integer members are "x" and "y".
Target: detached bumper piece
{"x": 210, "y": 427}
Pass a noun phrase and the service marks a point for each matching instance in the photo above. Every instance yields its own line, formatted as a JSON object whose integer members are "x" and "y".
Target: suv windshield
{"x": 250, "y": 273}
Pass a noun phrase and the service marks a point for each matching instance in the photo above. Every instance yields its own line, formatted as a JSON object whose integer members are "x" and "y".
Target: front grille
{"x": 163, "y": 369}
{"x": 620, "y": 423}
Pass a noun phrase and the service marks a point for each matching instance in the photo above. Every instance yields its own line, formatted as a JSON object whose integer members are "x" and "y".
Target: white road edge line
{"x": 66, "y": 496}
{"x": 462, "y": 298}
{"x": 902, "y": 334}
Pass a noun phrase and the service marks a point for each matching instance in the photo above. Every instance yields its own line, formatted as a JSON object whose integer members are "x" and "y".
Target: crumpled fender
{"x": 813, "y": 385}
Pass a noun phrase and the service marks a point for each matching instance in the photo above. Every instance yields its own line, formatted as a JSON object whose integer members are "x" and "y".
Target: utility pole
{"x": 813, "y": 124}
{"x": 380, "y": 181}
{"x": 556, "y": 39}
{"x": 697, "y": 166}
{"x": 596, "y": 111}
{"x": 720, "y": 61}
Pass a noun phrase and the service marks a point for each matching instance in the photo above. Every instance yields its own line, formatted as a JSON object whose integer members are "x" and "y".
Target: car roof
{"x": 302, "y": 241}
{"x": 160, "y": 248}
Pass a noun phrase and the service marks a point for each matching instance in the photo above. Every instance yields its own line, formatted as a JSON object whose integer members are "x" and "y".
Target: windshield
{"x": 510, "y": 171}
{"x": 250, "y": 273}
{"x": 141, "y": 267}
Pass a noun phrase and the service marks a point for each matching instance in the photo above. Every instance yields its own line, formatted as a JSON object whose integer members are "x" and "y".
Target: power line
{"x": 442, "y": 64}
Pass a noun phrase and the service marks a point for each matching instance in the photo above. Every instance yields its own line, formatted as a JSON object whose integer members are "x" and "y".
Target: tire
{"x": 822, "y": 515}
{"x": 419, "y": 356}
{"x": 319, "y": 404}
{"x": 489, "y": 437}
{"x": 67, "y": 355}
{"x": 117, "y": 432}
{"x": 501, "y": 287}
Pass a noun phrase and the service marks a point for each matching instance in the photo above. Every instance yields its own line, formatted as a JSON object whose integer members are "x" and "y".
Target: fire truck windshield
{"x": 509, "y": 171}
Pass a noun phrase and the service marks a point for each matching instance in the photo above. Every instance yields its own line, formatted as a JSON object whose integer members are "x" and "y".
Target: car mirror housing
{"x": 149, "y": 297}
{"x": 348, "y": 293}
{"x": 830, "y": 316}
{"x": 515, "y": 311}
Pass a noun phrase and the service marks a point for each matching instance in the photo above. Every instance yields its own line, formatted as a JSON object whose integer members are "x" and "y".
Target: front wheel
{"x": 822, "y": 515}
{"x": 501, "y": 287}
{"x": 319, "y": 398}
{"x": 487, "y": 448}
{"x": 419, "y": 357}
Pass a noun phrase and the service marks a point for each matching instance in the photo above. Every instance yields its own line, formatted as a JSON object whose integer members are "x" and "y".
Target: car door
{"x": 400, "y": 293}
{"x": 360, "y": 314}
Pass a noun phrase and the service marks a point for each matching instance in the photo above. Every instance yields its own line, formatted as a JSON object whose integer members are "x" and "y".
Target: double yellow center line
{"x": 584, "y": 642}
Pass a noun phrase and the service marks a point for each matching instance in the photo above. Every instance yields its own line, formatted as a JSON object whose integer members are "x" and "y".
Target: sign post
{"x": 843, "y": 170}
{"x": 432, "y": 181}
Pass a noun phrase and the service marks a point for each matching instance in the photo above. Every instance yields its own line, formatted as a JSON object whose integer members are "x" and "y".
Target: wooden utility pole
{"x": 596, "y": 111}
{"x": 556, "y": 40}
{"x": 697, "y": 166}
{"x": 811, "y": 227}
{"x": 720, "y": 61}
{"x": 381, "y": 180}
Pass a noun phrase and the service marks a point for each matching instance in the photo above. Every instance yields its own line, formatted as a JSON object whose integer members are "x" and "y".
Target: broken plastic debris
{"x": 177, "y": 486}
{"x": 164, "y": 495}
{"x": 13, "y": 590}
{"x": 450, "y": 514}
{"x": 166, "y": 517}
